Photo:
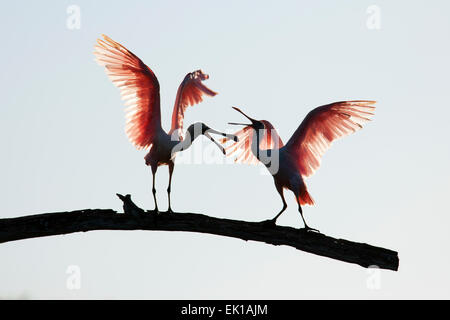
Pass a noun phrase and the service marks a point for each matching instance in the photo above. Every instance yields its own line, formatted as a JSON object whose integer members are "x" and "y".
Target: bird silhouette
{"x": 139, "y": 87}
{"x": 290, "y": 164}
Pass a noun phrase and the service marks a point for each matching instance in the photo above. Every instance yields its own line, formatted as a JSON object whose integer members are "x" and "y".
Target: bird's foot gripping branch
{"x": 135, "y": 218}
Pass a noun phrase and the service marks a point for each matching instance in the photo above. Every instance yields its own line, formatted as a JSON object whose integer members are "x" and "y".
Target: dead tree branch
{"x": 134, "y": 218}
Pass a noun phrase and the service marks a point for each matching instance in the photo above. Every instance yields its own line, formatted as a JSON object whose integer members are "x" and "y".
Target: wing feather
{"x": 190, "y": 92}
{"x": 321, "y": 127}
{"x": 138, "y": 86}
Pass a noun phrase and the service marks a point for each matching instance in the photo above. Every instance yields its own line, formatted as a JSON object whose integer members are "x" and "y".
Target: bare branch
{"x": 134, "y": 218}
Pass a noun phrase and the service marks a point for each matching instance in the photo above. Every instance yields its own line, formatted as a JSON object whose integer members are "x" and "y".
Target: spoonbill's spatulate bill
{"x": 301, "y": 156}
{"x": 139, "y": 87}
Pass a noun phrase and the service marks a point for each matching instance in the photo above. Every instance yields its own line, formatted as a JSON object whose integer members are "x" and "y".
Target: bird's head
{"x": 255, "y": 124}
{"x": 199, "y": 128}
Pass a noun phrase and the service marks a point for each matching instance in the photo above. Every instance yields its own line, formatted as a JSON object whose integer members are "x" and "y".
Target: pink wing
{"x": 189, "y": 93}
{"x": 243, "y": 148}
{"x": 321, "y": 127}
{"x": 138, "y": 86}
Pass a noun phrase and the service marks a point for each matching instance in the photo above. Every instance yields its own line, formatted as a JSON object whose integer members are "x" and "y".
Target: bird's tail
{"x": 305, "y": 198}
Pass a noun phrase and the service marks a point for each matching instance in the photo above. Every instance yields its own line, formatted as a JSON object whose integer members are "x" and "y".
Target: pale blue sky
{"x": 64, "y": 146}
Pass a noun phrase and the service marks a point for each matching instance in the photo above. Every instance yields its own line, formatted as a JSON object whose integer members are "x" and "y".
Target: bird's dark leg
{"x": 171, "y": 166}
{"x": 280, "y": 191}
{"x": 307, "y": 228}
{"x": 154, "y": 168}
{"x": 273, "y": 221}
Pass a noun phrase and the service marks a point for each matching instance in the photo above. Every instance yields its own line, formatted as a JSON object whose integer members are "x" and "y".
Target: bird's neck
{"x": 268, "y": 157}
{"x": 255, "y": 143}
{"x": 186, "y": 142}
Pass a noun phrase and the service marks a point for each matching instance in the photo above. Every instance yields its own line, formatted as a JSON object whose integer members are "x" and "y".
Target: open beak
{"x": 215, "y": 142}
{"x": 242, "y": 124}
{"x": 228, "y": 136}
{"x": 239, "y": 124}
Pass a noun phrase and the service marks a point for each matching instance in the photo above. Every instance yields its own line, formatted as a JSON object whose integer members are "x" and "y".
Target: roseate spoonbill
{"x": 290, "y": 164}
{"x": 140, "y": 88}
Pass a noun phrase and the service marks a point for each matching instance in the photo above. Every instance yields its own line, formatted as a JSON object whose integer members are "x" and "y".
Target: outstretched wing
{"x": 321, "y": 127}
{"x": 138, "y": 86}
{"x": 243, "y": 148}
{"x": 189, "y": 93}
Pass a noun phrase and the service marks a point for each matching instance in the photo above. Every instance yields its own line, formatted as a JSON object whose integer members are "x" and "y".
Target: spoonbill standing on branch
{"x": 289, "y": 164}
{"x": 140, "y": 88}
